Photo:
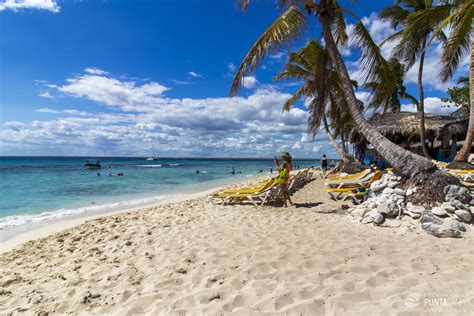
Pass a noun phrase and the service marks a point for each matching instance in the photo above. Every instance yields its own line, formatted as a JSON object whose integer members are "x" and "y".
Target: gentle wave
{"x": 149, "y": 166}
{"x": 18, "y": 220}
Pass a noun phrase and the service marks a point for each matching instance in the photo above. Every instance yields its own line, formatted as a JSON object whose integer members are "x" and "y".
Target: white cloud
{"x": 46, "y": 94}
{"x": 238, "y": 126}
{"x": 195, "y": 74}
{"x": 231, "y": 66}
{"x": 113, "y": 92}
{"x": 15, "y": 5}
{"x": 432, "y": 105}
{"x": 53, "y": 111}
{"x": 47, "y": 110}
{"x": 250, "y": 82}
{"x": 95, "y": 71}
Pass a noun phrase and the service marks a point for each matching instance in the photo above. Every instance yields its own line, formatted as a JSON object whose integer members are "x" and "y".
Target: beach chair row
{"x": 262, "y": 192}
{"x": 352, "y": 186}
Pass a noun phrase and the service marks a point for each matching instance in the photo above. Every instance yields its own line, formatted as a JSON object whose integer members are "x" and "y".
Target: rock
{"x": 412, "y": 214}
{"x": 464, "y": 215}
{"x": 358, "y": 212}
{"x": 389, "y": 209}
{"x": 393, "y": 184}
{"x": 381, "y": 199}
{"x": 387, "y": 191}
{"x": 449, "y": 228}
{"x": 457, "y": 193}
{"x": 399, "y": 192}
{"x": 460, "y": 206}
{"x": 438, "y": 211}
{"x": 366, "y": 220}
{"x": 378, "y": 185}
{"x": 428, "y": 217}
{"x": 415, "y": 208}
{"x": 376, "y": 217}
{"x": 448, "y": 207}
{"x": 409, "y": 192}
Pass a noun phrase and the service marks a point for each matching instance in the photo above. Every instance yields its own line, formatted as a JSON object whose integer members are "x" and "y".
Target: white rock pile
{"x": 387, "y": 201}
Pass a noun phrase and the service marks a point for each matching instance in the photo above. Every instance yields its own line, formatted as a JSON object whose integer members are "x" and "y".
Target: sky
{"x": 143, "y": 77}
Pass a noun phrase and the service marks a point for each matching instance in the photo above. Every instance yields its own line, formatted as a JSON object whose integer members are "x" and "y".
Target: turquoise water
{"x": 35, "y": 189}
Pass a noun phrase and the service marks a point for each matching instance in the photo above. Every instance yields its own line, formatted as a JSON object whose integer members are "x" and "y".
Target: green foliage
{"x": 459, "y": 97}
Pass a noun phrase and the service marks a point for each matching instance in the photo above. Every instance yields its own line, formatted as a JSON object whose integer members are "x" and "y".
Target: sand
{"x": 194, "y": 258}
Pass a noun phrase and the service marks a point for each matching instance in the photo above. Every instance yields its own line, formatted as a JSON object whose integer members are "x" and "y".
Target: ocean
{"x": 41, "y": 189}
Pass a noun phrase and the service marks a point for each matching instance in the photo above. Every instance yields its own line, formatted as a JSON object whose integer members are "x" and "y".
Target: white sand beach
{"x": 190, "y": 257}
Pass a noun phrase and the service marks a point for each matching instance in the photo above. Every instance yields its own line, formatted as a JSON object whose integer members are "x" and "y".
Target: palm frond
{"x": 292, "y": 100}
{"x": 338, "y": 29}
{"x": 371, "y": 57}
{"x": 395, "y": 14}
{"x": 286, "y": 28}
{"x": 459, "y": 41}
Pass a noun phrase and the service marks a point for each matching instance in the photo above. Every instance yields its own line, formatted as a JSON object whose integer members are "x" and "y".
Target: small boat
{"x": 92, "y": 164}
{"x": 152, "y": 158}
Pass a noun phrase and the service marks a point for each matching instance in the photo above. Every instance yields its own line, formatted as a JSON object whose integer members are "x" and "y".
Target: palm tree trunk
{"x": 406, "y": 163}
{"x": 463, "y": 154}
{"x": 422, "y": 101}
{"x": 342, "y": 154}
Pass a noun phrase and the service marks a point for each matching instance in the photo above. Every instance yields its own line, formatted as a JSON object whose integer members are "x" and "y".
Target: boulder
{"x": 376, "y": 217}
{"x": 415, "y": 208}
{"x": 449, "y": 228}
{"x": 457, "y": 193}
{"x": 358, "y": 212}
{"x": 412, "y": 214}
{"x": 393, "y": 184}
{"x": 448, "y": 207}
{"x": 438, "y": 211}
{"x": 388, "y": 209}
{"x": 399, "y": 192}
{"x": 378, "y": 185}
{"x": 387, "y": 191}
{"x": 464, "y": 215}
{"x": 428, "y": 217}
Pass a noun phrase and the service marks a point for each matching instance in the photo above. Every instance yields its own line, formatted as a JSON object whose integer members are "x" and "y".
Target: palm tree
{"x": 388, "y": 95}
{"x": 457, "y": 16}
{"x": 321, "y": 84}
{"x": 290, "y": 25}
{"x": 412, "y": 45}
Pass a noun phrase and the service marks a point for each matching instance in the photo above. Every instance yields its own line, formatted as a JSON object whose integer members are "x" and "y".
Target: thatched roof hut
{"x": 404, "y": 127}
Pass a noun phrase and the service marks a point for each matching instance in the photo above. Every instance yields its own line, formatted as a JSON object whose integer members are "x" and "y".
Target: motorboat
{"x": 92, "y": 164}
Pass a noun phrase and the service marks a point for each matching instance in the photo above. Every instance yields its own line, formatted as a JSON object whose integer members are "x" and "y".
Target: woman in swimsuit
{"x": 284, "y": 175}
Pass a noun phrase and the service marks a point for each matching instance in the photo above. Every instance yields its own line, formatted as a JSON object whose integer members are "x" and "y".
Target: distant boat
{"x": 152, "y": 158}
{"x": 92, "y": 164}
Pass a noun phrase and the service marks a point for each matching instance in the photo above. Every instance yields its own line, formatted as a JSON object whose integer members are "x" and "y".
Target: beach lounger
{"x": 256, "y": 198}
{"x": 350, "y": 192}
{"x": 357, "y": 175}
{"x": 350, "y": 182}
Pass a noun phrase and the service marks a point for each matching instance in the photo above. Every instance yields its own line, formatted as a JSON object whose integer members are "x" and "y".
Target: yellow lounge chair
{"x": 256, "y": 198}
{"x": 344, "y": 182}
{"x": 357, "y": 175}
{"x": 347, "y": 192}
{"x": 251, "y": 189}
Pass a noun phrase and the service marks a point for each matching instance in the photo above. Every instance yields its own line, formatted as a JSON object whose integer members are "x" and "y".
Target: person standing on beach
{"x": 324, "y": 164}
{"x": 283, "y": 175}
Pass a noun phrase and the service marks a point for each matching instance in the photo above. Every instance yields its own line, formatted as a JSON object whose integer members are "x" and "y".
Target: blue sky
{"x": 137, "y": 78}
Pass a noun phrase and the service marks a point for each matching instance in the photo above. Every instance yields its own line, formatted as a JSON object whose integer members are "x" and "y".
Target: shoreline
{"x": 49, "y": 227}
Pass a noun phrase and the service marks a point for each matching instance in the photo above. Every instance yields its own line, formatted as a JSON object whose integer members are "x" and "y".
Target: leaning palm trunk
{"x": 406, "y": 163}
{"x": 421, "y": 108}
{"x": 463, "y": 154}
{"x": 342, "y": 154}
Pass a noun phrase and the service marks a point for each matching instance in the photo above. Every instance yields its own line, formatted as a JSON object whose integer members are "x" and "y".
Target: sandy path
{"x": 194, "y": 258}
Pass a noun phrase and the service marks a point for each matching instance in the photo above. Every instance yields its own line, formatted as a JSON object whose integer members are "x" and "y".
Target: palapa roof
{"x": 406, "y": 125}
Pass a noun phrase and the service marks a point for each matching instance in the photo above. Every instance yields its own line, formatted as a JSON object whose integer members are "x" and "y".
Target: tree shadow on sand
{"x": 307, "y": 205}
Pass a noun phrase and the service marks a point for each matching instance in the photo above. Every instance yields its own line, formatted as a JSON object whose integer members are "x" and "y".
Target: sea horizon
{"x": 41, "y": 189}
